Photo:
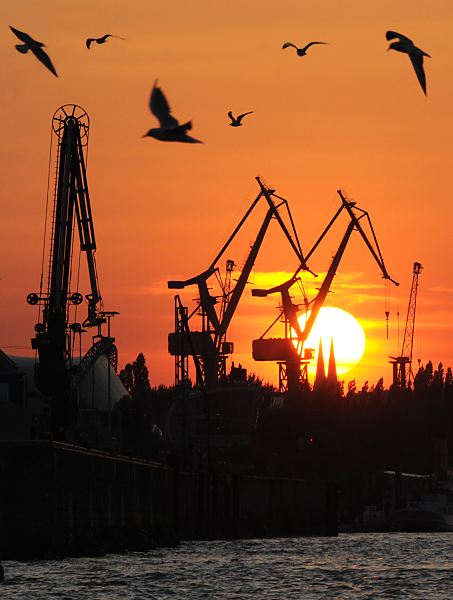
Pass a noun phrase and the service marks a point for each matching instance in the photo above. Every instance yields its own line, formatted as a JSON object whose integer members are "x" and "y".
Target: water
{"x": 351, "y": 566}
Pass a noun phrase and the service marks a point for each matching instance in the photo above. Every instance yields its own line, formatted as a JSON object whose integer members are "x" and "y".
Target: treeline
{"x": 344, "y": 433}
{"x": 331, "y": 432}
{"x": 327, "y": 432}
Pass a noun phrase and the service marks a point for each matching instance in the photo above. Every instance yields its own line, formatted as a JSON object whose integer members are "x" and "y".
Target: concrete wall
{"x": 52, "y": 494}
{"x": 243, "y": 507}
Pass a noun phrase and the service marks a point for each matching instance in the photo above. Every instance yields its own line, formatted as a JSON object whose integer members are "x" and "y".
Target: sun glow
{"x": 347, "y": 335}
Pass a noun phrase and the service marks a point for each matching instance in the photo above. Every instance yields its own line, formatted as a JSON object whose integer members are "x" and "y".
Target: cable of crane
{"x": 45, "y": 221}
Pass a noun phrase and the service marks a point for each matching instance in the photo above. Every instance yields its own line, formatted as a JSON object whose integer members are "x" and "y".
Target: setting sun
{"x": 346, "y": 332}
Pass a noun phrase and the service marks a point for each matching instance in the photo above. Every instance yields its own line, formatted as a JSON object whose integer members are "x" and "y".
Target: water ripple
{"x": 352, "y": 566}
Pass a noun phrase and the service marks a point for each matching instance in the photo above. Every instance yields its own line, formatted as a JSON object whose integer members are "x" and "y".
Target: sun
{"x": 347, "y": 335}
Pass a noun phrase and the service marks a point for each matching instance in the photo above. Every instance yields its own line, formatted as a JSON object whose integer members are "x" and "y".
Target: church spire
{"x": 332, "y": 378}
{"x": 320, "y": 378}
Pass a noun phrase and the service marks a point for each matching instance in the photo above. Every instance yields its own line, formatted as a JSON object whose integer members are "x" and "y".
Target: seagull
{"x": 404, "y": 44}
{"x": 101, "y": 40}
{"x": 35, "y": 46}
{"x": 236, "y": 121}
{"x": 170, "y": 130}
{"x": 300, "y": 51}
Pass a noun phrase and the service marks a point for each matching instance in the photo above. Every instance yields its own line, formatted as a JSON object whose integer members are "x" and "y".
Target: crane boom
{"x": 354, "y": 224}
{"x": 408, "y": 339}
{"x": 375, "y": 251}
{"x": 325, "y": 286}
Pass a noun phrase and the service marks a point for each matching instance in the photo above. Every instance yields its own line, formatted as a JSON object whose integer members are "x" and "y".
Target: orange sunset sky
{"x": 348, "y": 115}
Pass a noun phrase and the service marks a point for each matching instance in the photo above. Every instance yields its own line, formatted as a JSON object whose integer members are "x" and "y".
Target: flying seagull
{"x": 236, "y": 121}
{"x": 36, "y": 47}
{"x": 300, "y": 51}
{"x": 101, "y": 40}
{"x": 404, "y": 44}
{"x": 170, "y": 130}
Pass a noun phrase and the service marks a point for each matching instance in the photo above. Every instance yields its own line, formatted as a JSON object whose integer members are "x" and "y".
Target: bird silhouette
{"x": 236, "y": 121}
{"x": 404, "y": 44}
{"x": 300, "y": 51}
{"x": 101, "y": 40}
{"x": 36, "y": 47}
{"x": 170, "y": 130}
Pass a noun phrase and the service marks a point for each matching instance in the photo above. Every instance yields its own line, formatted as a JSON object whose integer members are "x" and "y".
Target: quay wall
{"x": 57, "y": 499}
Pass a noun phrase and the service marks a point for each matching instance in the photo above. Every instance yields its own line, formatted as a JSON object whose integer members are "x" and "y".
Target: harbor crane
{"x": 210, "y": 345}
{"x": 55, "y": 334}
{"x": 290, "y": 351}
{"x": 402, "y": 365}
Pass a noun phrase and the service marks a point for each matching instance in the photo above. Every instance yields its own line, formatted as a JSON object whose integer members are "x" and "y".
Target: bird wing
{"x": 107, "y": 35}
{"x": 287, "y": 45}
{"x": 417, "y": 63}
{"x": 89, "y": 42}
{"x": 391, "y": 35}
{"x": 400, "y": 47}
{"x": 22, "y": 48}
{"x": 24, "y": 37}
{"x": 161, "y": 109}
{"x": 311, "y": 44}
{"x": 183, "y": 128}
{"x": 44, "y": 58}
{"x": 240, "y": 117}
{"x": 230, "y": 114}
{"x": 188, "y": 139}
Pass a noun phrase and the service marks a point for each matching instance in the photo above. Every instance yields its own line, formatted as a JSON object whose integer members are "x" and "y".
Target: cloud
{"x": 347, "y": 288}
{"x": 441, "y": 289}
{"x": 159, "y": 288}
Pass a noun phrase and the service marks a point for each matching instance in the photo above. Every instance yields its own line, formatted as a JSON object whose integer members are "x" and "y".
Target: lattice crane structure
{"x": 402, "y": 365}
{"x": 290, "y": 351}
{"x": 55, "y": 333}
{"x": 209, "y": 346}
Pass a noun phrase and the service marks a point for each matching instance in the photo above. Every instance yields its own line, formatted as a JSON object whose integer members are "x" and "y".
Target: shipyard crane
{"x": 289, "y": 351}
{"x": 55, "y": 334}
{"x": 402, "y": 365}
{"x": 210, "y": 345}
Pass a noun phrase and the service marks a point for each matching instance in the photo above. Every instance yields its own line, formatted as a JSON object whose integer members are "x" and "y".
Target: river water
{"x": 349, "y": 566}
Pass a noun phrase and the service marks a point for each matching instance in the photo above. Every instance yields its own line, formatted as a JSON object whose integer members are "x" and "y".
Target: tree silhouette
{"x": 352, "y": 389}
{"x": 135, "y": 377}
{"x": 139, "y": 429}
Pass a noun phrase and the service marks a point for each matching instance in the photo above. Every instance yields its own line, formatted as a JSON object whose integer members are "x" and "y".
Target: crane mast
{"x": 402, "y": 365}
{"x": 71, "y": 204}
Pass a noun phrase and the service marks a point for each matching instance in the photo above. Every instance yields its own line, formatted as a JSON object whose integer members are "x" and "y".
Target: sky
{"x": 348, "y": 115}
